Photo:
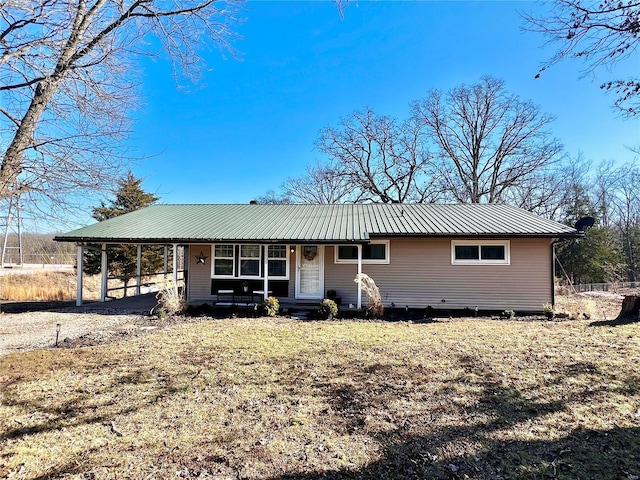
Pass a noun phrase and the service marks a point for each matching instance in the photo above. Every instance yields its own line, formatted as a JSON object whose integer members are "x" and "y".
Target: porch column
{"x": 266, "y": 272}
{"x": 359, "y": 272}
{"x": 103, "y": 272}
{"x": 138, "y": 268}
{"x": 79, "y": 277}
{"x": 166, "y": 260}
{"x": 175, "y": 264}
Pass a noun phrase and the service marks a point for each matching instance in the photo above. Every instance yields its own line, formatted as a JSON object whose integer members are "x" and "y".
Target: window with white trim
{"x": 224, "y": 261}
{"x": 375, "y": 252}
{"x": 250, "y": 260}
{"x": 245, "y": 261}
{"x": 480, "y": 252}
{"x": 277, "y": 259}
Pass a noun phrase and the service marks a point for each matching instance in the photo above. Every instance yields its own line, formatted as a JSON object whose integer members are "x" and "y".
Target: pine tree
{"x": 122, "y": 259}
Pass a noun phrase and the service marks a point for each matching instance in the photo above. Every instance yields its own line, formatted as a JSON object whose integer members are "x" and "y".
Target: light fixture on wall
{"x": 202, "y": 258}
{"x": 293, "y": 249}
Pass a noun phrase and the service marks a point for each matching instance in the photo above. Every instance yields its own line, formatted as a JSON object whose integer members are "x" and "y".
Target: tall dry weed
{"x": 170, "y": 298}
{"x": 376, "y": 307}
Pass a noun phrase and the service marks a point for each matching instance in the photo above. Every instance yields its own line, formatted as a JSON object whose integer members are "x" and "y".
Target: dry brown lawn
{"x": 284, "y": 399}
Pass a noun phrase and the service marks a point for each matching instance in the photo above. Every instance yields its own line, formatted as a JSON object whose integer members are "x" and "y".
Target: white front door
{"x": 310, "y": 281}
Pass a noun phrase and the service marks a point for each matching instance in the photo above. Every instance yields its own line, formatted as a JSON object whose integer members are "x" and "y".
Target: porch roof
{"x": 295, "y": 223}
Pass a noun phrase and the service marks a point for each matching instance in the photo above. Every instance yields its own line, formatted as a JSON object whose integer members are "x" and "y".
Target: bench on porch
{"x": 228, "y": 297}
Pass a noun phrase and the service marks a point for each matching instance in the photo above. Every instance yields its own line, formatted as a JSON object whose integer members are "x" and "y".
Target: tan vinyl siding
{"x": 199, "y": 274}
{"x": 420, "y": 274}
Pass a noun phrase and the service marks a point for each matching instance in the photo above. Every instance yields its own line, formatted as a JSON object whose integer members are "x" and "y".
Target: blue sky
{"x": 254, "y": 120}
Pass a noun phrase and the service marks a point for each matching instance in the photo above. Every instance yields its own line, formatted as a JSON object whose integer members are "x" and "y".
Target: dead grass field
{"x": 46, "y": 286}
{"x": 51, "y": 285}
{"x": 283, "y": 399}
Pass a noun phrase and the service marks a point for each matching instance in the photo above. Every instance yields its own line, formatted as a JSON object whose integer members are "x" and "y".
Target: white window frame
{"x": 233, "y": 260}
{"x": 285, "y": 258}
{"x": 256, "y": 259}
{"x": 237, "y": 259}
{"x": 480, "y": 243}
{"x": 354, "y": 261}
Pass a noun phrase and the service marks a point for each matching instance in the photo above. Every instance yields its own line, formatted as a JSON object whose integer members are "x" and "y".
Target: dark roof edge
{"x": 481, "y": 235}
{"x": 162, "y": 241}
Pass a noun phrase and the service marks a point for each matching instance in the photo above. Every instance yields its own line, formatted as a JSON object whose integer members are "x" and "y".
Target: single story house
{"x": 493, "y": 257}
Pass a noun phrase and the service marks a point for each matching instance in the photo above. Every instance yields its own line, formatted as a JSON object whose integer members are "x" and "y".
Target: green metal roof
{"x": 313, "y": 223}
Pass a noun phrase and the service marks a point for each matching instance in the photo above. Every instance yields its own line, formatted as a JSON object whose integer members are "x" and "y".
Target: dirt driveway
{"x": 38, "y": 329}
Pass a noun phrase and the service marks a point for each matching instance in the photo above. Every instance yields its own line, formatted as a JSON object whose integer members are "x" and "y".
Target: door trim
{"x": 320, "y": 294}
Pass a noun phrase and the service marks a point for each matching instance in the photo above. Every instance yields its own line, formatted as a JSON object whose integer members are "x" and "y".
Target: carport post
{"x": 166, "y": 260}
{"x": 80, "y": 267}
{"x": 359, "y": 272}
{"x": 138, "y": 268}
{"x": 175, "y": 264}
{"x": 103, "y": 272}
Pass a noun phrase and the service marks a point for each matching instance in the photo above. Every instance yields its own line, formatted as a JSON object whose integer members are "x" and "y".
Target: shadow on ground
{"x": 137, "y": 304}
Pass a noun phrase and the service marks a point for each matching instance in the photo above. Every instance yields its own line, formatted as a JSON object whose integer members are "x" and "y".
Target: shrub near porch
{"x": 280, "y": 399}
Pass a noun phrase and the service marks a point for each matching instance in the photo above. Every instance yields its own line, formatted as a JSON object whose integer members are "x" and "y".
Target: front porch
{"x": 234, "y": 274}
{"x": 296, "y": 274}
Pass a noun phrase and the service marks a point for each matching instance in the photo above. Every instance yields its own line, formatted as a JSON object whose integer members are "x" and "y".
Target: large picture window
{"x": 480, "y": 252}
{"x": 374, "y": 252}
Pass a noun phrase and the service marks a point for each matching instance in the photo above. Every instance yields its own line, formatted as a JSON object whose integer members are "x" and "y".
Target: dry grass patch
{"x": 46, "y": 286}
{"x": 38, "y": 286}
{"x": 280, "y": 399}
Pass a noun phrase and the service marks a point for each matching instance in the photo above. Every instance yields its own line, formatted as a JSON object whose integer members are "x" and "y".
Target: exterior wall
{"x": 199, "y": 279}
{"x": 420, "y": 274}
{"x": 200, "y": 275}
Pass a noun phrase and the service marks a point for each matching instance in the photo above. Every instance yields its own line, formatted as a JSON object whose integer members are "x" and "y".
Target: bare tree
{"x": 322, "y": 183}
{"x": 600, "y": 33}
{"x": 271, "y": 197}
{"x": 488, "y": 143}
{"x": 626, "y": 211}
{"x": 382, "y": 160}
{"x": 68, "y": 83}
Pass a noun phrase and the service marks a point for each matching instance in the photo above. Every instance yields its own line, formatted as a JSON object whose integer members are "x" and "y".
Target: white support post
{"x": 166, "y": 261}
{"x": 266, "y": 272}
{"x": 359, "y": 272}
{"x": 103, "y": 272}
{"x": 79, "y": 276}
{"x": 138, "y": 268}
{"x": 175, "y": 264}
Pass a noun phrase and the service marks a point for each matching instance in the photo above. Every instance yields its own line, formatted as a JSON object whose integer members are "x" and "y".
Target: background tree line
{"x": 68, "y": 83}
{"x": 479, "y": 143}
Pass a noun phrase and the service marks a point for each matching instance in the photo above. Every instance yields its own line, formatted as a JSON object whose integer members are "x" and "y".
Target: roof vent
{"x": 585, "y": 223}
{"x": 254, "y": 202}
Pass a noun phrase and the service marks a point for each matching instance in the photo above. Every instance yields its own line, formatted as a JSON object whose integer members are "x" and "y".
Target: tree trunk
{"x": 630, "y": 307}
